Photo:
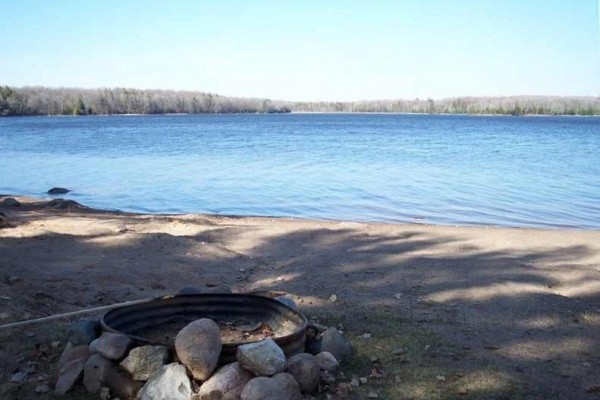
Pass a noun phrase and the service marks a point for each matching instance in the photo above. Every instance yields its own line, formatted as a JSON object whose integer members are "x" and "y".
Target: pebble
{"x": 264, "y": 358}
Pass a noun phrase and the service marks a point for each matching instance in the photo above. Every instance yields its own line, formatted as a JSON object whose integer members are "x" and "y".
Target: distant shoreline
{"x": 15, "y": 101}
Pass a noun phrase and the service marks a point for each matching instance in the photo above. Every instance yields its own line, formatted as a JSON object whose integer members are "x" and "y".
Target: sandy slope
{"x": 525, "y": 300}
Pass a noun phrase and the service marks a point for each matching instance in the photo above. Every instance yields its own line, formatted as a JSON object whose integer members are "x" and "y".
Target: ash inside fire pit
{"x": 237, "y": 331}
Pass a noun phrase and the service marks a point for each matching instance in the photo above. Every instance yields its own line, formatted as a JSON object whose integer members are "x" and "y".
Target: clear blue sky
{"x": 306, "y": 50}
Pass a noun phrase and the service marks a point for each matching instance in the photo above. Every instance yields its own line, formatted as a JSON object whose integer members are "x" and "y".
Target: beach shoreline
{"x": 520, "y": 306}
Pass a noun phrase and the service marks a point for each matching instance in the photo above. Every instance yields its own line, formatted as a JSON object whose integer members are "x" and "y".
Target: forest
{"x": 73, "y": 101}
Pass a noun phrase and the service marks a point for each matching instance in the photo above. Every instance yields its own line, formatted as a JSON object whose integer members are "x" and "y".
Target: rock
{"x": 198, "y": 347}
{"x": 304, "y": 368}
{"x": 83, "y": 331}
{"x": 169, "y": 383}
{"x": 11, "y": 202}
{"x": 226, "y": 384}
{"x": 4, "y": 224}
{"x": 335, "y": 343}
{"x": 264, "y": 358}
{"x": 190, "y": 290}
{"x": 81, "y": 352}
{"x": 99, "y": 372}
{"x": 142, "y": 362}
{"x": 62, "y": 204}
{"x": 288, "y": 302}
{"x": 94, "y": 371}
{"x": 313, "y": 341}
{"x": 327, "y": 362}
{"x": 113, "y": 346}
{"x": 42, "y": 388}
{"x": 282, "y": 386}
{"x": 120, "y": 382}
{"x": 68, "y": 375}
{"x": 58, "y": 190}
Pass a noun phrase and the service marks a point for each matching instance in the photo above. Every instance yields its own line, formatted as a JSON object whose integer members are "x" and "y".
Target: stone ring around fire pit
{"x": 242, "y": 319}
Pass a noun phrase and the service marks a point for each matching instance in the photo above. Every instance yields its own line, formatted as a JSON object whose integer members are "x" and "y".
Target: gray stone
{"x": 11, "y": 202}
{"x": 58, "y": 190}
{"x": 327, "y": 362}
{"x": 99, "y": 372}
{"x": 83, "y": 331}
{"x": 198, "y": 347}
{"x": 94, "y": 371}
{"x": 142, "y": 362}
{"x": 282, "y": 386}
{"x": 120, "y": 382}
{"x": 304, "y": 368}
{"x": 169, "y": 383}
{"x": 81, "y": 352}
{"x": 264, "y": 358}
{"x": 62, "y": 204}
{"x": 111, "y": 345}
{"x": 287, "y": 301}
{"x": 335, "y": 343}
{"x": 68, "y": 375}
{"x": 226, "y": 383}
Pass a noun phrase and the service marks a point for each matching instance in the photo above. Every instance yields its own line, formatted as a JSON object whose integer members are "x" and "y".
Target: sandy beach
{"x": 478, "y": 312}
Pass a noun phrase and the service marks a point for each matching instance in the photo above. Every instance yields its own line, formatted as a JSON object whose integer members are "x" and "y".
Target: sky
{"x": 306, "y": 50}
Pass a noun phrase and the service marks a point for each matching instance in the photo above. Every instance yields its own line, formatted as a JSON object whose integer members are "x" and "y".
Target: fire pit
{"x": 242, "y": 319}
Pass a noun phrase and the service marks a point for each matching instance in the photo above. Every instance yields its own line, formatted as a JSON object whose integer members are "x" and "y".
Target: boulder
{"x": 11, "y": 202}
{"x": 226, "y": 384}
{"x": 282, "y": 386}
{"x": 120, "y": 382}
{"x": 198, "y": 347}
{"x": 142, "y": 362}
{"x": 113, "y": 346}
{"x": 327, "y": 362}
{"x": 62, "y": 204}
{"x": 83, "y": 331}
{"x": 334, "y": 342}
{"x": 264, "y": 358}
{"x": 68, "y": 375}
{"x": 58, "y": 190}
{"x": 304, "y": 368}
{"x": 169, "y": 383}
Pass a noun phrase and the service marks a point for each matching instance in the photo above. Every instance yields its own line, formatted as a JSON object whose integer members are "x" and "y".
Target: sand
{"x": 524, "y": 302}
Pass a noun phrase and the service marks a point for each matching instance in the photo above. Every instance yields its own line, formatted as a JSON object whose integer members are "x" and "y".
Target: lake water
{"x": 465, "y": 170}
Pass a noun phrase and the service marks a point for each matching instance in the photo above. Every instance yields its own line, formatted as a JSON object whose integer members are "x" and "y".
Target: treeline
{"x": 66, "y": 101}
{"x": 516, "y": 105}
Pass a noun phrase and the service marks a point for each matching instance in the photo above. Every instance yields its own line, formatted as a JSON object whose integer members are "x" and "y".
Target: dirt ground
{"x": 432, "y": 312}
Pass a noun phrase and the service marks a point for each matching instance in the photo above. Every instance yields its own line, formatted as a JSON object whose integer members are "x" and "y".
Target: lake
{"x": 434, "y": 169}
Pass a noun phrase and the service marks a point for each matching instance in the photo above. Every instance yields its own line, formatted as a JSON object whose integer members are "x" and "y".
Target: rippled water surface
{"x": 511, "y": 171}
